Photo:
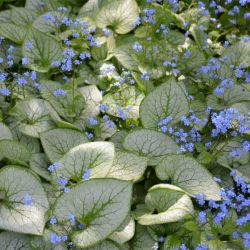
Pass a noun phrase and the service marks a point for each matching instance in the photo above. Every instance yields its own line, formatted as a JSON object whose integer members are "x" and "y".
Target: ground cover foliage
{"x": 124, "y": 124}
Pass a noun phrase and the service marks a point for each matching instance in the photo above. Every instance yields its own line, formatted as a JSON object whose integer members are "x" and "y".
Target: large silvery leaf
{"x": 15, "y": 214}
{"x": 238, "y": 54}
{"x": 238, "y": 93}
{"x": 101, "y": 205}
{"x": 97, "y": 156}
{"x": 170, "y": 202}
{"x": 57, "y": 142}
{"x": 14, "y": 151}
{"x": 120, "y": 14}
{"x": 34, "y": 116}
{"x": 14, "y": 241}
{"x": 125, "y": 232}
{"x": 5, "y": 133}
{"x": 150, "y": 144}
{"x": 189, "y": 175}
{"x": 21, "y": 16}
{"x": 127, "y": 166}
{"x": 168, "y": 99}
{"x": 45, "y": 50}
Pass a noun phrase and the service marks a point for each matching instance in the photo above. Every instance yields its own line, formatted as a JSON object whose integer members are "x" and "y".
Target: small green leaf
{"x": 170, "y": 202}
{"x": 142, "y": 239}
{"x": 121, "y": 15}
{"x": 39, "y": 164}
{"x": 46, "y": 50}
{"x": 14, "y": 241}
{"x": 97, "y": 156}
{"x": 100, "y": 204}
{"x": 15, "y": 214}
{"x": 5, "y": 133}
{"x": 127, "y": 166}
{"x": 189, "y": 175}
{"x": 57, "y": 142}
{"x": 150, "y": 144}
{"x": 168, "y": 99}
{"x": 14, "y": 151}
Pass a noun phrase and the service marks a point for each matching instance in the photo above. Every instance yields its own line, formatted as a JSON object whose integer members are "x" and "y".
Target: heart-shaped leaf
{"x": 120, "y": 14}
{"x": 189, "y": 175}
{"x": 166, "y": 100}
{"x": 45, "y": 50}
{"x": 57, "y": 142}
{"x": 23, "y": 201}
{"x": 150, "y": 144}
{"x": 101, "y": 205}
{"x": 33, "y": 116}
{"x": 97, "y": 156}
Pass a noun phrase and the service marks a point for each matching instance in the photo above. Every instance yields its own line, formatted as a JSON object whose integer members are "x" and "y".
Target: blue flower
{"x": 55, "y": 165}
{"x": 4, "y": 91}
{"x": 200, "y": 198}
{"x": 202, "y": 217}
{"x": 60, "y": 92}
{"x": 71, "y": 217}
{"x": 53, "y": 220}
{"x": 86, "y": 174}
{"x": 28, "y": 199}
{"x": 93, "y": 121}
{"x": 137, "y": 47}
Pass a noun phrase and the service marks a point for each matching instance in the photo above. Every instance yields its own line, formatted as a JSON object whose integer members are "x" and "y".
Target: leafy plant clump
{"x": 124, "y": 124}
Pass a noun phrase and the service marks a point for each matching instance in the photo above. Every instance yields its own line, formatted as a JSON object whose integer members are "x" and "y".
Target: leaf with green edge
{"x": 166, "y": 100}
{"x": 189, "y": 175}
{"x": 121, "y": 15}
{"x": 146, "y": 86}
{"x": 14, "y": 241}
{"x": 170, "y": 202}
{"x": 39, "y": 164}
{"x": 34, "y": 116}
{"x": 97, "y": 156}
{"x": 57, "y": 142}
{"x": 128, "y": 99}
{"x": 5, "y": 133}
{"x": 142, "y": 239}
{"x": 151, "y": 144}
{"x": 45, "y": 50}
{"x": 236, "y": 94}
{"x": 14, "y": 151}
{"x": 88, "y": 75}
{"x": 125, "y": 232}
{"x": 100, "y": 204}
{"x": 14, "y": 32}
{"x": 199, "y": 36}
{"x": 15, "y": 214}
{"x": 127, "y": 166}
